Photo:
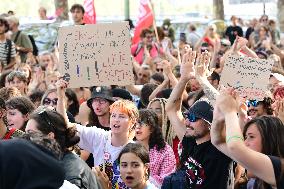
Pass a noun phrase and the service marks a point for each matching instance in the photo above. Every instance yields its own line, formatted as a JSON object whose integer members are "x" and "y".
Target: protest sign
{"x": 96, "y": 55}
{"x": 247, "y": 75}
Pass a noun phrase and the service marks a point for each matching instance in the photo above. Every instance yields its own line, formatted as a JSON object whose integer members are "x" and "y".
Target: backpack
{"x": 35, "y": 49}
{"x": 176, "y": 180}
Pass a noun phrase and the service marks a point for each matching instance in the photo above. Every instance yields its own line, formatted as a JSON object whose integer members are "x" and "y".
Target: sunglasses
{"x": 191, "y": 117}
{"x": 43, "y": 114}
{"x": 48, "y": 101}
{"x": 253, "y": 103}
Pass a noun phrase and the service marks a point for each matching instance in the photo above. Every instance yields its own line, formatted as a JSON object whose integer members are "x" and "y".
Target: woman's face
{"x": 15, "y": 118}
{"x": 50, "y": 100}
{"x": 157, "y": 108}
{"x": 253, "y": 138}
{"x": 119, "y": 122}
{"x": 133, "y": 170}
{"x": 142, "y": 132}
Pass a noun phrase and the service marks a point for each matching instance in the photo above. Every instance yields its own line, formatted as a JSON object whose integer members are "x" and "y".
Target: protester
{"x": 105, "y": 145}
{"x": 149, "y": 134}
{"x": 203, "y": 164}
{"x": 53, "y": 125}
{"x": 18, "y": 112}
{"x": 19, "y": 80}
{"x": 77, "y": 12}
{"x": 7, "y": 47}
{"x": 32, "y": 164}
{"x": 21, "y": 40}
{"x": 260, "y": 146}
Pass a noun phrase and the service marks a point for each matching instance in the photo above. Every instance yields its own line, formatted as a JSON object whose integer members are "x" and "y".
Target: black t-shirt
{"x": 276, "y": 162}
{"x": 232, "y": 32}
{"x": 205, "y": 165}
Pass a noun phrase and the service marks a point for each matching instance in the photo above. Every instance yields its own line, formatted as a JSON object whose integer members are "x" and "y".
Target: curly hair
{"x": 267, "y": 105}
{"x": 150, "y": 118}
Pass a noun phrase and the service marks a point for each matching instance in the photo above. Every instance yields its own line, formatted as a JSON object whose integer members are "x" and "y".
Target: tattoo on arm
{"x": 176, "y": 100}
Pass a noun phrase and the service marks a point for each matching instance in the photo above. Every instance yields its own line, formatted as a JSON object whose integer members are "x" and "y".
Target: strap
{"x": 9, "y": 45}
{"x": 9, "y": 134}
{"x": 139, "y": 47}
{"x": 17, "y": 36}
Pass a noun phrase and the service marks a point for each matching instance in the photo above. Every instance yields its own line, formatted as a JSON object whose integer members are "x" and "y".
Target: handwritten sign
{"x": 96, "y": 55}
{"x": 248, "y": 75}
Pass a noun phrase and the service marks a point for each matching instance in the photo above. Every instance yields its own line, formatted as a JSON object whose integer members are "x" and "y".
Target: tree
{"x": 280, "y": 14}
{"x": 218, "y": 9}
{"x": 61, "y": 9}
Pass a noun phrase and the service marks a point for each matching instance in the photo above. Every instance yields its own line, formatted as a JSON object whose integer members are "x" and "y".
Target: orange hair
{"x": 126, "y": 107}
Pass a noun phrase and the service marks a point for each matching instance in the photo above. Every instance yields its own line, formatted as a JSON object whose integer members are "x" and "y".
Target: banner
{"x": 96, "y": 55}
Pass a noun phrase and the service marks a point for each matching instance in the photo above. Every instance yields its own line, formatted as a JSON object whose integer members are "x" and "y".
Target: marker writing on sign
{"x": 88, "y": 71}
{"x": 78, "y": 70}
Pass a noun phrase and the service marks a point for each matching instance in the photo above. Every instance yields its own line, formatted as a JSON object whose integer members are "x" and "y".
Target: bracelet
{"x": 234, "y": 137}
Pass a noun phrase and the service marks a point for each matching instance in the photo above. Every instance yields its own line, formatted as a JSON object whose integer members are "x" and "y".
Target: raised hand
{"x": 202, "y": 64}
{"x": 227, "y": 101}
{"x": 187, "y": 65}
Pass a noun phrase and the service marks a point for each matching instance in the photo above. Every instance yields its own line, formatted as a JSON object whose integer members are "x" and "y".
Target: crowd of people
{"x": 161, "y": 132}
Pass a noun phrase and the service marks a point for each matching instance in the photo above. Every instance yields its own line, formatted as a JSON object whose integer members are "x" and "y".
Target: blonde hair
{"x": 167, "y": 129}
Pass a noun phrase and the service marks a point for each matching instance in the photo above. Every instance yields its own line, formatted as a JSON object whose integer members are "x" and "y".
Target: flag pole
{"x": 154, "y": 21}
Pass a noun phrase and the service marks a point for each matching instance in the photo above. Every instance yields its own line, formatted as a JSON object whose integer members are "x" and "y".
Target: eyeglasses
{"x": 191, "y": 117}
{"x": 48, "y": 101}
{"x": 253, "y": 103}
{"x": 149, "y": 37}
{"x": 99, "y": 100}
{"x": 43, "y": 114}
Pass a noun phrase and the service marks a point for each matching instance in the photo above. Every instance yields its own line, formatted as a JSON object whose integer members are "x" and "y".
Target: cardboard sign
{"x": 96, "y": 55}
{"x": 248, "y": 75}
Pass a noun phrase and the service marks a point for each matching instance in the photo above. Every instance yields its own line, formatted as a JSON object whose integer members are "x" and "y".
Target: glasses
{"x": 191, "y": 117}
{"x": 43, "y": 114}
{"x": 253, "y": 103}
{"x": 99, "y": 100}
{"x": 149, "y": 37}
{"x": 48, "y": 101}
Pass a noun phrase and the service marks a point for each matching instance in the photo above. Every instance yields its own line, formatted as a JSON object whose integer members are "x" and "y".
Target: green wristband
{"x": 234, "y": 137}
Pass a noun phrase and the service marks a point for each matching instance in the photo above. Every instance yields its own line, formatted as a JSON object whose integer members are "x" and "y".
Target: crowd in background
{"x": 161, "y": 132}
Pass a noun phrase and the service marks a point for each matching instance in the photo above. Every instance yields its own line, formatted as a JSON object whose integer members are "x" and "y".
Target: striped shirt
{"x": 4, "y": 50}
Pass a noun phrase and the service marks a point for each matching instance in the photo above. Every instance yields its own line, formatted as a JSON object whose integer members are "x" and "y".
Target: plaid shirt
{"x": 162, "y": 164}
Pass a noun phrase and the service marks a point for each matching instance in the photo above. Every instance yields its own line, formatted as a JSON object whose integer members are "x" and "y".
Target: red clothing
{"x": 137, "y": 52}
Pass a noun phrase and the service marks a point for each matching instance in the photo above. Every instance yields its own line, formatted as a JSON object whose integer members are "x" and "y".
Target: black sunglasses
{"x": 43, "y": 114}
{"x": 48, "y": 101}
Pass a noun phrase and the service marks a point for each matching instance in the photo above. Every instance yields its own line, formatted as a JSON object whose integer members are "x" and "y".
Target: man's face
{"x": 148, "y": 39}
{"x": 143, "y": 76}
{"x": 196, "y": 129}
{"x": 11, "y": 24}
{"x": 100, "y": 106}
{"x": 77, "y": 15}
{"x": 45, "y": 60}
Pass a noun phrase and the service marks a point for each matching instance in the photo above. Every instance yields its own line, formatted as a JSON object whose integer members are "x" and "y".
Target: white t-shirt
{"x": 68, "y": 185}
{"x": 98, "y": 141}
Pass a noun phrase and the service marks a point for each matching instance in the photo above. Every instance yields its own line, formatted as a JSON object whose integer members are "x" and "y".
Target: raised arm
{"x": 237, "y": 150}
{"x": 173, "y": 106}
{"x": 61, "y": 86}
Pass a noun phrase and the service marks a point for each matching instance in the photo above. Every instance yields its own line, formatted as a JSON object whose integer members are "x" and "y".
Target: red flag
{"x": 90, "y": 13}
{"x": 145, "y": 19}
